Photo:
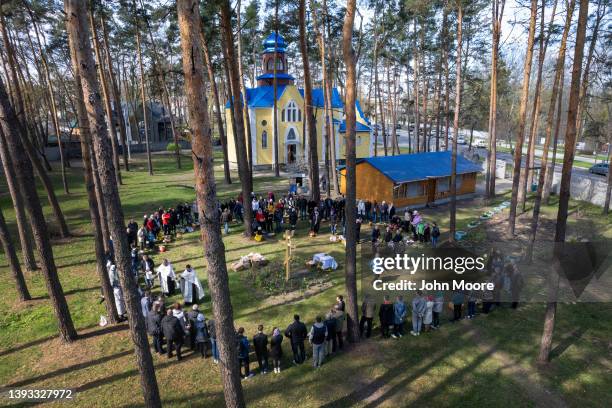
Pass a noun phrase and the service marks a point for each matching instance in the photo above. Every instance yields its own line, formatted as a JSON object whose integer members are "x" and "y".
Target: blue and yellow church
{"x": 289, "y": 114}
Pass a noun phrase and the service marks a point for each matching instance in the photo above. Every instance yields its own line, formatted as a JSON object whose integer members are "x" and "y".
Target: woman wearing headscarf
{"x": 276, "y": 349}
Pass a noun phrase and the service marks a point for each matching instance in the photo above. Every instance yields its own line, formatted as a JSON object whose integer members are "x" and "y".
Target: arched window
{"x": 291, "y": 136}
{"x": 264, "y": 140}
{"x": 279, "y": 64}
{"x": 291, "y": 113}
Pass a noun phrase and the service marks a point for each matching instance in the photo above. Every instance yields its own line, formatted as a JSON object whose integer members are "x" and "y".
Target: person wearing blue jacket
{"x": 419, "y": 305}
{"x": 243, "y": 354}
{"x": 399, "y": 314}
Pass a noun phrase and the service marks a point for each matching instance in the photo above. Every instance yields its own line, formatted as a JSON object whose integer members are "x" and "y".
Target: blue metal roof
{"x": 279, "y": 75}
{"x": 420, "y": 166}
{"x": 318, "y": 98}
{"x": 263, "y": 96}
{"x": 274, "y": 40}
{"x": 359, "y": 127}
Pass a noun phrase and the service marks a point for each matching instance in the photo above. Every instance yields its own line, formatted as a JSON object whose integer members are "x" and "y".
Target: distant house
{"x": 411, "y": 179}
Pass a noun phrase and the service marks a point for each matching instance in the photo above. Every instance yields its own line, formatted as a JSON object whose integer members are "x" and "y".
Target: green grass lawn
{"x": 460, "y": 365}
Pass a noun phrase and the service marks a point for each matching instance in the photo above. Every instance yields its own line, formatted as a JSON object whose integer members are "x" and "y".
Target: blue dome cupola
{"x": 274, "y": 40}
{"x": 271, "y": 43}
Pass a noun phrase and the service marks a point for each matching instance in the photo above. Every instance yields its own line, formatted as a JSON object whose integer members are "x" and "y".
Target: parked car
{"x": 600, "y": 168}
{"x": 481, "y": 143}
{"x": 461, "y": 140}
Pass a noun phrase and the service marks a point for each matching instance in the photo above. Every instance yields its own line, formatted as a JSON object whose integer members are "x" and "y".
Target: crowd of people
{"x": 183, "y": 324}
{"x": 172, "y": 328}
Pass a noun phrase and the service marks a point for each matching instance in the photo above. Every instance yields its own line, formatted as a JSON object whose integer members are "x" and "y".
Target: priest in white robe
{"x": 167, "y": 278}
{"x": 191, "y": 287}
{"x": 117, "y": 292}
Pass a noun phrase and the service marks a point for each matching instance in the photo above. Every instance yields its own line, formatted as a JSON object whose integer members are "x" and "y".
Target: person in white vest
{"x": 191, "y": 287}
{"x": 167, "y": 278}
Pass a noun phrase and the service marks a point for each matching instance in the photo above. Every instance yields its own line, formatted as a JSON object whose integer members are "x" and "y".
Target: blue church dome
{"x": 273, "y": 39}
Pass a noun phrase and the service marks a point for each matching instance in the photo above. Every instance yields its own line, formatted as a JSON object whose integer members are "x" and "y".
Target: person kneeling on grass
{"x": 317, "y": 336}
{"x": 259, "y": 235}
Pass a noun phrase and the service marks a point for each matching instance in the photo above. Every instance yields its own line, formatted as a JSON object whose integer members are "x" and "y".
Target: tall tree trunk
{"x": 239, "y": 139}
{"x": 165, "y": 92}
{"x": 23, "y": 227}
{"x": 94, "y": 212}
{"x": 52, "y": 100}
{"x": 214, "y": 250}
{"x": 350, "y": 61}
{"x": 13, "y": 261}
{"x": 566, "y": 176}
{"x": 330, "y": 136}
{"x": 453, "y": 177}
{"x": 106, "y": 97}
{"x": 100, "y": 200}
{"x": 446, "y": 77}
{"x": 14, "y": 133}
{"x": 275, "y": 101}
{"x": 549, "y": 125}
{"x": 518, "y": 147}
{"x": 142, "y": 95}
{"x": 583, "y": 98}
{"x": 313, "y": 156}
{"x": 79, "y": 36}
{"x": 606, "y": 207}
{"x": 215, "y": 92}
{"x": 415, "y": 90}
{"x": 116, "y": 96}
{"x": 243, "y": 92}
{"x": 24, "y": 138}
{"x": 497, "y": 16}
{"x": 550, "y": 171}
{"x": 527, "y": 177}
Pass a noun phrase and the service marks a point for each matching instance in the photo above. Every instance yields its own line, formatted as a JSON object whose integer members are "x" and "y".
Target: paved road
{"x": 482, "y": 152}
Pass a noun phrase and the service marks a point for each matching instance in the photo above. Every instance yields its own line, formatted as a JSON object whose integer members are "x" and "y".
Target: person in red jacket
{"x": 166, "y": 222}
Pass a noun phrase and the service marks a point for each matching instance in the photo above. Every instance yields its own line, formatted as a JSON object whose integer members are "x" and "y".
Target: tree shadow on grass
{"x": 70, "y": 292}
{"x": 370, "y": 389}
{"x": 568, "y": 340}
{"x": 70, "y": 369}
{"x": 93, "y": 333}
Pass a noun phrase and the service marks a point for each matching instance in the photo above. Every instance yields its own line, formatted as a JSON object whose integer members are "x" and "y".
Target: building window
{"x": 264, "y": 122}
{"x": 416, "y": 189}
{"x": 291, "y": 113}
{"x": 264, "y": 140}
{"x": 409, "y": 190}
{"x": 279, "y": 65}
{"x": 291, "y": 136}
{"x": 443, "y": 185}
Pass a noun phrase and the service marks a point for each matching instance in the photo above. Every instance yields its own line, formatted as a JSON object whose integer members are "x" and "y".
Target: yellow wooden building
{"x": 292, "y": 143}
{"x": 411, "y": 179}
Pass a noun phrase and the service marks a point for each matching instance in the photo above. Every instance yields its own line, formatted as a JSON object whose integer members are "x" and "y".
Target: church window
{"x": 291, "y": 113}
{"x": 264, "y": 140}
